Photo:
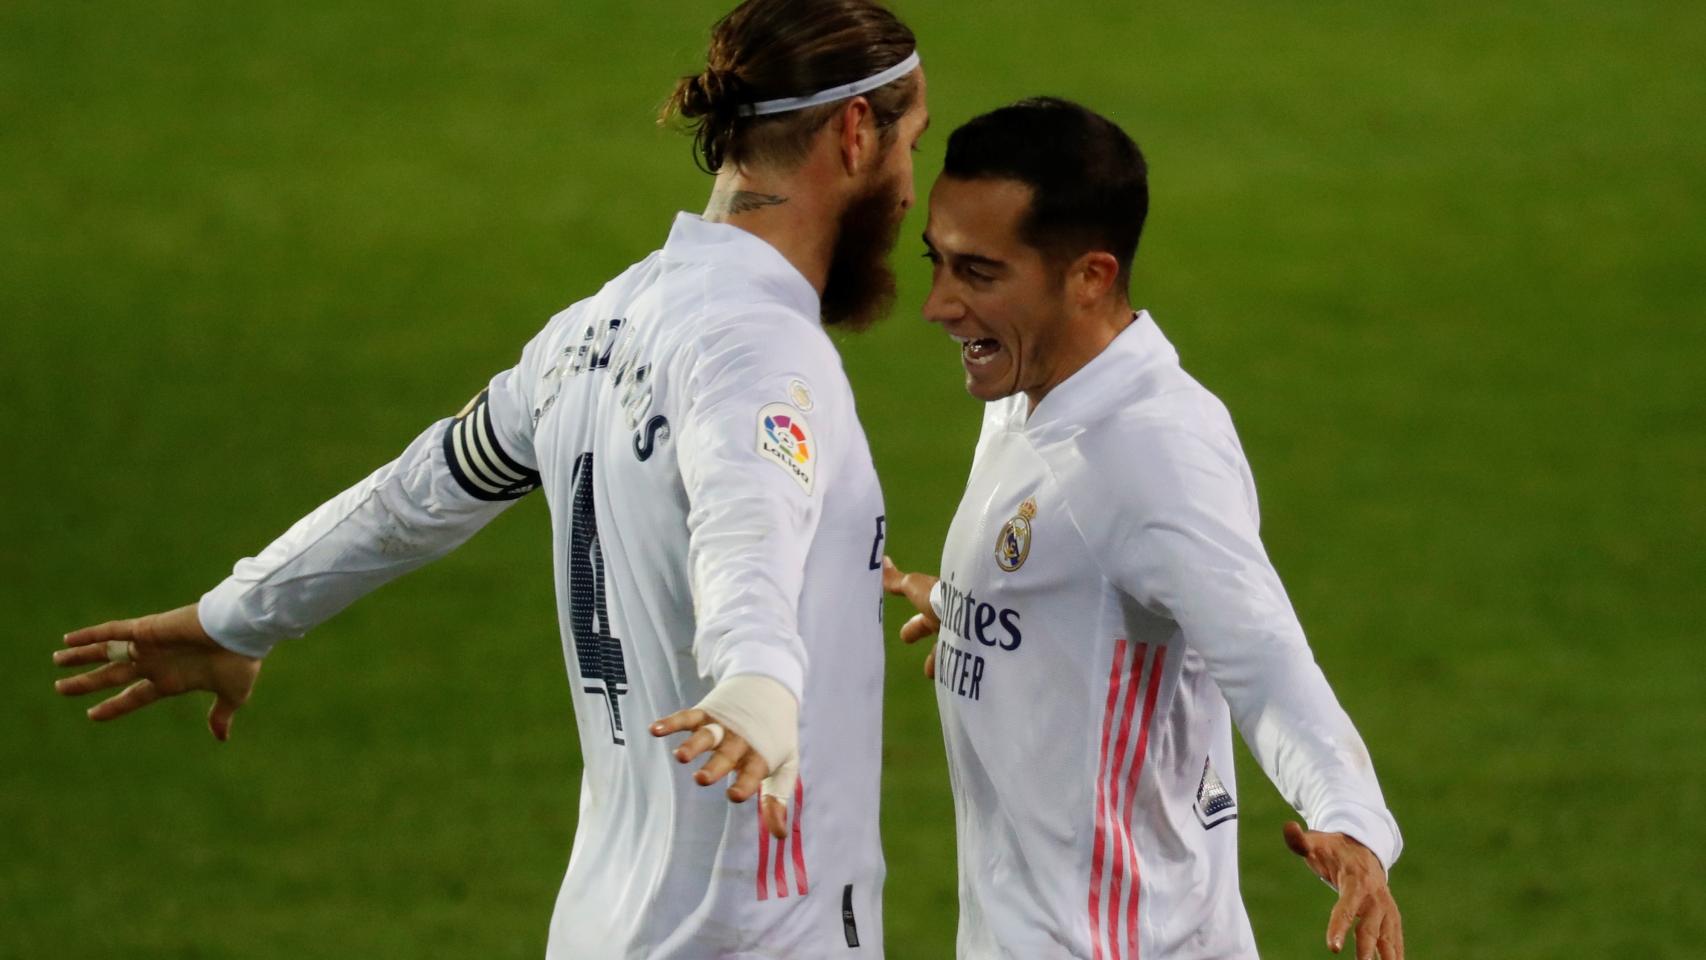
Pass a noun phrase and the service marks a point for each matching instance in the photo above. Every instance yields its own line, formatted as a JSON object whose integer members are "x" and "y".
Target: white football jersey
{"x": 1105, "y": 599}
{"x": 715, "y": 513}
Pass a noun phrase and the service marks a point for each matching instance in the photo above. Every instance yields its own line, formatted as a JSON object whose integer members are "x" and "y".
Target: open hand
{"x": 160, "y": 655}
{"x": 729, "y": 752}
{"x": 915, "y": 587}
{"x": 1365, "y": 900}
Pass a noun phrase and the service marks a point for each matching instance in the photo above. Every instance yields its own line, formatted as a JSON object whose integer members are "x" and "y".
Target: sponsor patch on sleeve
{"x": 785, "y": 439}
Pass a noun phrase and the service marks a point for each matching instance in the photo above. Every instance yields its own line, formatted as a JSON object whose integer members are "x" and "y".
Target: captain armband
{"x": 478, "y": 461}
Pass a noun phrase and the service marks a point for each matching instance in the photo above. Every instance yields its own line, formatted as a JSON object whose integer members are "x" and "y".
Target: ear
{"x": 1093, "y": 276}
{"x": 856, "y": 125}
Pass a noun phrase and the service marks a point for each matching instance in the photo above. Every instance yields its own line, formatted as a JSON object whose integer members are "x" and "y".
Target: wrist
{"x": 760, "y": 710}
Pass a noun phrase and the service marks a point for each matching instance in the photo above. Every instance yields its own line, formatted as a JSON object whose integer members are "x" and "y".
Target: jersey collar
{"x": 1110, "y": 380}
{"x": 696, "y": 240}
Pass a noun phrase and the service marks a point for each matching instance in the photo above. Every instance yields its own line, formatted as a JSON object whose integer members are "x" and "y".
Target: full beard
{"x": 860, "y": 289}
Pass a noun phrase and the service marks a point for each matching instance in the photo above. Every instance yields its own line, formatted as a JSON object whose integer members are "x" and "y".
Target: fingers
{"x": 915, "y": 587}
{"x": 751, "y": 778}
{"x": 930, "y": 663}
{"x": 775, "y": 816}
{"x": 149, "y": 635}
{"x": 892, "y": 577}
{"x": 732, "y": 753}
{"x": 1365, "y": 903}
{"x": 1343, "y": 917}
{"x": 81, "y": 655}
{"x": 725, "y": 758}
{"x": 1295, "y": 839}
{"x": 136, "y": 696}
{"x": 101, "y": 633}
{"x": 703, "y": 739}
{"x": 691, "y": 719}
{"x": 219, "y": 718}
{"x": 1320, "y": 856}
{"x": 111, "y": 675}
{"x": 1392, "y": 936}
{"x": 1368, "y": 933}
{"x": 778, "y": 787}
{"x": 920, "y": 626}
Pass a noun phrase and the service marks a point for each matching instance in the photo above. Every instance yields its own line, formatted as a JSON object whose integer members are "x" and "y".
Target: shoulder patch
{"x": 800, "y": 394}
{"x": 785, "y": 439}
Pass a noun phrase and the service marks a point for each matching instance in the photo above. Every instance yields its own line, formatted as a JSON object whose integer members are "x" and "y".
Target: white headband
{"x": 787, "y": 104}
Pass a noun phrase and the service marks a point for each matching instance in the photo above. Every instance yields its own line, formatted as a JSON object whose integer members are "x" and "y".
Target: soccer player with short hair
{"x": 717, "y": 518}
{"x": 1106, "y": 609}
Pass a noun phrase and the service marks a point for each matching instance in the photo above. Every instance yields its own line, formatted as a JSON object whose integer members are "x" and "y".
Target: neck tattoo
{"x": 741, "y": 201}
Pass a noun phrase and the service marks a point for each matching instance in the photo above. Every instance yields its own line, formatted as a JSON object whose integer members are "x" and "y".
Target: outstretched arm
{"x": 455, "y": 478}
{"x": 1188, "y": 550}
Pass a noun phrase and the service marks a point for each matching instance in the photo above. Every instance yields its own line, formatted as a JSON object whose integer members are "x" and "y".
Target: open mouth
{"x": 978, "y": 351}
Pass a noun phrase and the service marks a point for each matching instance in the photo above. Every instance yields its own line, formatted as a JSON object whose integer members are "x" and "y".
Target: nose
{"x": 942, "y": 305}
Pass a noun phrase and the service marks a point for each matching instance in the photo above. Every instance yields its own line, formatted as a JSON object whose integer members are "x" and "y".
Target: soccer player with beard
{"x": 717, "y": 519}
{"x": 1106, "y": 609}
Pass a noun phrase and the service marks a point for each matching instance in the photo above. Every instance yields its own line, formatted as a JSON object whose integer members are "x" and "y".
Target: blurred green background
{"x": 1444, "y": 262}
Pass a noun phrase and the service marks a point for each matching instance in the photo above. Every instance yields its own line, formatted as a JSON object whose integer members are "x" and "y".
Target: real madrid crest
{"x": 1013, "y": 545}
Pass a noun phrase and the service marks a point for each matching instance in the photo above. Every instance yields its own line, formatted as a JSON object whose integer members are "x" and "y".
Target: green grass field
{"x": 1445, "y": 262}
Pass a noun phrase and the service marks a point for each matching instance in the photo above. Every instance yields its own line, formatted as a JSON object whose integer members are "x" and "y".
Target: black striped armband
{"x": 478, "y": 461}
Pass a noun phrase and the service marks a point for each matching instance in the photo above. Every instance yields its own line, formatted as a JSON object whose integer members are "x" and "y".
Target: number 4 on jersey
{"x": 598, "y": 653}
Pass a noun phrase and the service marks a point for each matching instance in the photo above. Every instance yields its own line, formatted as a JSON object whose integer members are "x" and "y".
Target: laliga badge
{"x": 785, "y": 439}
{"x": 1013, "y": 544}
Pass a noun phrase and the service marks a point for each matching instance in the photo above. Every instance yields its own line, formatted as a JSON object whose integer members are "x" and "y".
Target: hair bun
{"x": 714, "y": 93}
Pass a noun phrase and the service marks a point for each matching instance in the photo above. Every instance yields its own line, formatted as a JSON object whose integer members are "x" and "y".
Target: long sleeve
{"x": 755, "y": 473}
{"x": 1189, "y": 550}
{"x": 451, "y": 481}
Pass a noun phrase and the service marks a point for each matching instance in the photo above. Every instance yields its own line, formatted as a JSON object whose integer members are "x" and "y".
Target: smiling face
{"x": 1002, "y": 299}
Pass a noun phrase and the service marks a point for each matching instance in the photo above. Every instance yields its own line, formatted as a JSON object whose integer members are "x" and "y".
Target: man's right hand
{"x": 160, "y": 655}
{"x": 915, "y": 587}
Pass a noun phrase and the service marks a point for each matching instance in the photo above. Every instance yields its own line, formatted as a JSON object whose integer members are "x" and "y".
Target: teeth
{"x": 979, "y": 352}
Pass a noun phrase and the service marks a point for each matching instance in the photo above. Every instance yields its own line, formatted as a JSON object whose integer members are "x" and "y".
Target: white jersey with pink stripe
{"x": 1109, "y": 614}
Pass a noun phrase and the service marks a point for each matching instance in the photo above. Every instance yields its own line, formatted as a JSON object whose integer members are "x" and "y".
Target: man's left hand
{"x": 1365, "y": 900}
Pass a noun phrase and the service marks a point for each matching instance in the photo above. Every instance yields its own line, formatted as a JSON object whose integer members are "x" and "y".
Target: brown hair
{"x": 768, "y": 49}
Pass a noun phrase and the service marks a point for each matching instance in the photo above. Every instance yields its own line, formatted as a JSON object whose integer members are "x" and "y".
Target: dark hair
{"x": 769, "y": 49}
{"x": 1089, "y": 183}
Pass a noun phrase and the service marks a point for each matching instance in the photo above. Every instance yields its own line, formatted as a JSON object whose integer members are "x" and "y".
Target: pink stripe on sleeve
{"x": 799, "y": 854}
{"x": 1142, "y": 749}
{"x": 1116, "y": 885}
{"x": 763, "y": 855}
{"x": 1115, "y": 679}
{"x": 781, "y": 857}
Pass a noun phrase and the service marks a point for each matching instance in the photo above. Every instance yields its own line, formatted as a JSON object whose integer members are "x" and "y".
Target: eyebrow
{"x": 974, "y": 259}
